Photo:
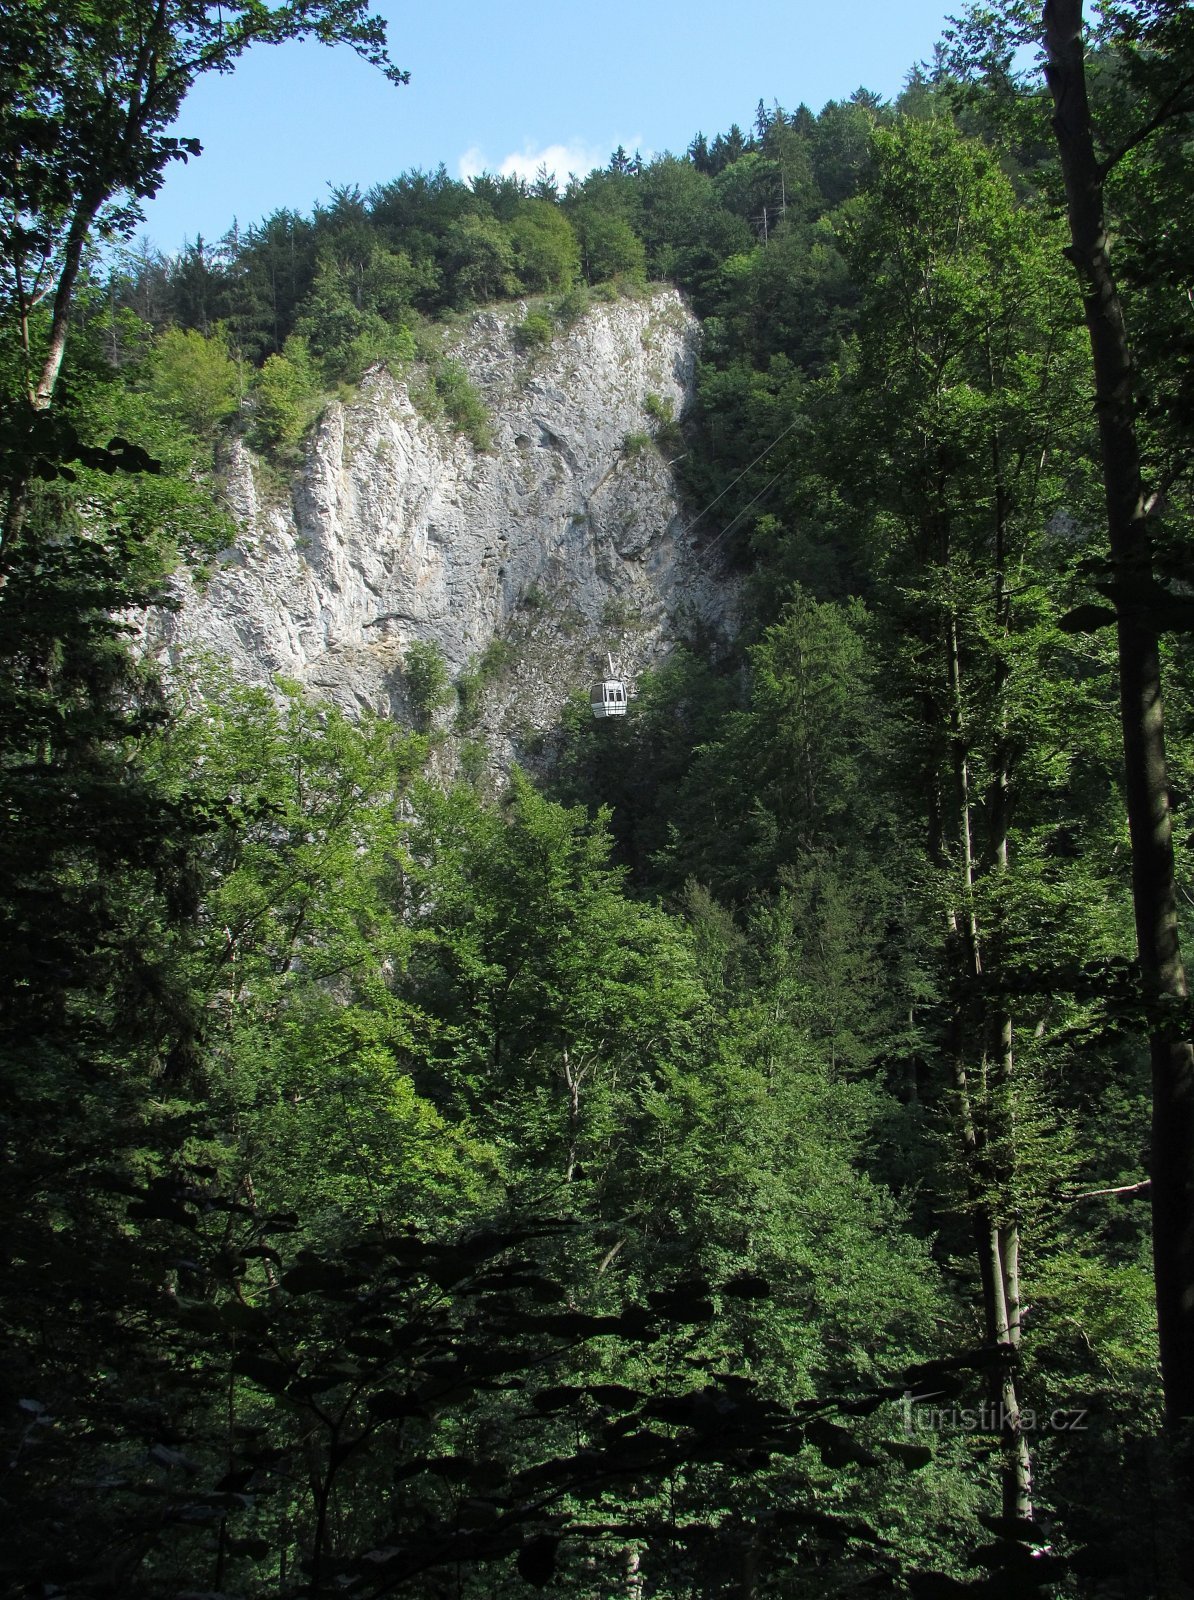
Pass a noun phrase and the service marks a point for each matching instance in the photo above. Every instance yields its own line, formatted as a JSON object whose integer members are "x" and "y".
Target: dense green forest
{"x": 755, "y": 1156}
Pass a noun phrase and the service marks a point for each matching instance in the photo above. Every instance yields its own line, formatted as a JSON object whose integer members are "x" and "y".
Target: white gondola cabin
{"x": 607, "y": 697}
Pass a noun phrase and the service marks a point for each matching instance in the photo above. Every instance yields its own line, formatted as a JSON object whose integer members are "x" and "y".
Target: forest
{"x": 753, "y": 1155}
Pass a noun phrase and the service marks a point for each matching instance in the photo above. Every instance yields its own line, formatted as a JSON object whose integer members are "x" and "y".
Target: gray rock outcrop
{"x": 564, "y": 540}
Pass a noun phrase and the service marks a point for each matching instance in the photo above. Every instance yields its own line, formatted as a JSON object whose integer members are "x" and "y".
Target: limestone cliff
{"x": 564, "y": 540}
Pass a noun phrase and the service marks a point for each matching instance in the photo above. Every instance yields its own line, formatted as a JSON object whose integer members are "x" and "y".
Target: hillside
{"x": 561, "y": 540}
{"x": 456, "y": 1146}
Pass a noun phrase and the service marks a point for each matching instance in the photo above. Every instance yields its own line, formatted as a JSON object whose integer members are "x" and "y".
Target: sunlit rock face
{"x": 562, "y": 541}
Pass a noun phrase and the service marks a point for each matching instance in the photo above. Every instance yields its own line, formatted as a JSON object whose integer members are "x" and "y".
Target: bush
{"x": 286, "y": 397}
{"x": 610, "y": 248}
{"x": 534, "y": 332}
{"x": 480, "y": 261}
{"x": 546, "y": 253}
{"x": 346, "y": 338}
{"x": 474, "y": 759}
{"x": 662, "y": 412}
{"x": 426, "y": 674}
{"x": 462, "y": 405}
{"x": 468, "y": 697}
{"x": 571, "y": 307}
{"x": 619, "y": 614}
{"x": 499, "y": 655}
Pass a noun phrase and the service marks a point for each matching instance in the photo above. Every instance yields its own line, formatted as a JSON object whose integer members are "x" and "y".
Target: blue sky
{"x": 504, "y": 87}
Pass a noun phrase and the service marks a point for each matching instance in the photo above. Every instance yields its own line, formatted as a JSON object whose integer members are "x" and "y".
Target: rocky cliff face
{"x": 563, "y": 541}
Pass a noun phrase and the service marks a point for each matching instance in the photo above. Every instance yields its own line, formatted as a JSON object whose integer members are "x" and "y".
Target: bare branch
{"x": 1094, "y": 1194}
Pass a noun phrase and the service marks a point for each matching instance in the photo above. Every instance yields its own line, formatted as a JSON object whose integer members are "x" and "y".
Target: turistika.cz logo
{"x": 920, "y": 1416}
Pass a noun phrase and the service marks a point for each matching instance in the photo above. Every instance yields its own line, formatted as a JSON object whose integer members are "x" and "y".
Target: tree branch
{"x": 1168, "y": 110}
{"x": 1093, "y": 1194}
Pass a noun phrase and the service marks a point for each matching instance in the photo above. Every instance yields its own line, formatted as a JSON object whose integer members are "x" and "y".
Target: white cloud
{"x": 561, "y": 159}
{"x": 471, "y": 162}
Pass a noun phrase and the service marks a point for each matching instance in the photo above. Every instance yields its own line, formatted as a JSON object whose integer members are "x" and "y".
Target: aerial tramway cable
{"x": 703, "y": 555}
{"x": 733, "y": 523}
{"x": 608, "y": 696}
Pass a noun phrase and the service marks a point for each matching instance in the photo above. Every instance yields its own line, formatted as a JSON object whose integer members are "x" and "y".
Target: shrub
{"x": 619, "y": 614}
{"x": 571, "y": 306}
{"x": 610, "y": 248}
{"x": 499, "y": 654}
{"x": 468, "y": 699}
{"x": 546, "y": 253}
{"x": 534, "y": 332}
{"x": 474, "y": 759}
{"x": 662, "y": 412}
{"x": 426, "y": 674}
{"x": 480, "y": 261}
{"x": 286, "y": 397}
{"x": 462, "y": 405}
{"x": 194, "y": 379}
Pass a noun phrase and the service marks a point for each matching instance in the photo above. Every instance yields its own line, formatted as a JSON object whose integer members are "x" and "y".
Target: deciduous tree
{"x": 87, "y": 94}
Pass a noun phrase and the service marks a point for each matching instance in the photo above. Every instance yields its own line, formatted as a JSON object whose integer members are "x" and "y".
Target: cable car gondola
{"x": 607, "y": 697}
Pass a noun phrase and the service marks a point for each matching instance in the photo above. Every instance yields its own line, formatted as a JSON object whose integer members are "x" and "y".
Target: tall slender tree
{"x": 960, "y": 351}
{"x": 1135, "y": 593}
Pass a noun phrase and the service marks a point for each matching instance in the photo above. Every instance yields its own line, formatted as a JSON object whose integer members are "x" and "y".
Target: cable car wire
{"x": 779, "y": 436}
{"x": 729, "y": 528}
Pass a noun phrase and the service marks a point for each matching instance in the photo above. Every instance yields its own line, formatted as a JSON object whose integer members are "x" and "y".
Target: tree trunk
{"x": 1147, "y": 791}
{"x": 572, "y": 1081}
{"x": 64, "y": 296}
{"x": 632, "y": 1581}
{"x": 17, "y": 498}
{"x": 984, "y": 1111}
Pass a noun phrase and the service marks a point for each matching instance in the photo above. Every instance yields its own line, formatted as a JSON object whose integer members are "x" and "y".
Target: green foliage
{"x": 363, "y": 265}
{"x": 542, "y": 970}
{"x": 610, "y": 249}
{"x": 499, "y": 656}
{"x": 470, "y": 687}
{"x": 426, "y": 676}
{"x": 354, "y": 316}
{"x": 546, "y": 255}
{"x": 686, "y": 232}
{"x": 534, "y": 332}
{"x": 195, "y": 380}
{"x": 286, "y": 398}
{"x": 570, "y": 307}
{"x": 462, "y": 404}
{"x": 315, "y": 1082}
{"x": 301, "y": 1048}
{"x": 481, "y": 260}
{"x": 662, "y": 412}
{"x": 172, "y": 512}
{"x": 449, "y": 392}
{"x": 474, "y": 759}
{"x": 100, "y": 1038}
{"x": 84, "y": 125}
